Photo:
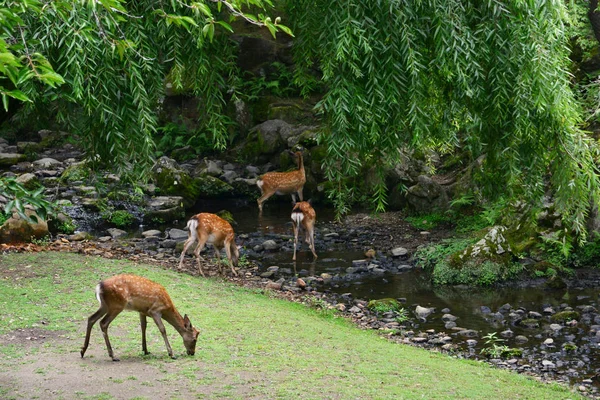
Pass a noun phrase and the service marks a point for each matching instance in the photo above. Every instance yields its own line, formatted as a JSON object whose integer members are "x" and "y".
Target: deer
{"x": 149, "y": 299}
{"x": 291, "y": 182}
{"x": 210, "y": 228}
{"x": 303, "y": 214}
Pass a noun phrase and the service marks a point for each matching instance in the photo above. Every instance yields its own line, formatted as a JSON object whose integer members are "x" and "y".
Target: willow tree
{"x": 115, "y": 57}
{"x": 489, "y": 76}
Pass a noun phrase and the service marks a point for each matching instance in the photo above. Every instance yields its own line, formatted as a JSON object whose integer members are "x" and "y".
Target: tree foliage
{"x": 114, "y": 56}
{"x": 489, "y": 76}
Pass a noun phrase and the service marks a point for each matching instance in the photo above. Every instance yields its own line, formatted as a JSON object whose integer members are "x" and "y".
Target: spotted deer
{"x": 135, "y": 293}
{"x": 291, "y": 182}
{"x": 303, "y": 214}
{"x": 210, "y": 228}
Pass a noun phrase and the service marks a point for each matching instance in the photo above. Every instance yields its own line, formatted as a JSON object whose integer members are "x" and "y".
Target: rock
{"x": 47, "y": 163}
{"x": 427, "y": 195}
{"x": 485, "y": 310}
{"x": 270, "y": 245}
{"x": 340, "y": 307}
{"x": 17, "y": 230}
{"x": 355, "y": 310}
{"x": 28, "y": 180}
{"x": 423, "y": 312}
{"x": 564, "y": 316}
{"x": 300, "y": 283}
{"x": 404, "y": 268}
{"x": 80, "y": 236}
{"x": 449, "y": 317}
{"x": 399, "y": 251}
{"x": 164, "y": 209}
{"x": 555, "y": 327}
{"x": 534, "y": 314}
{"x": 549, "y": 342}
{"x": 450, "y": 325}
{"x": 520, "y": 339}
{"x": 468, "y": 333}
{"x": 270, "y": 135}
{"x": 8, "y": 159}
{"x": 471, "y": 342}
{"x": 116, "y": 233}
{"x": 178, "y": 234}
{"x": 151, "y": 233}
{"x": 507, "y": 333}
{"x": 548, "y": 364}
{"x": 274, "y": 285}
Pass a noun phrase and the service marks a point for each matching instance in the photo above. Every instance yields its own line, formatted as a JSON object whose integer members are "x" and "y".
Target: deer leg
{"x": 161, "y": 327}
{"x": 91, "y": 321}
{"x": 186, "y": 245}
{"x": 201, "y": 243}
{"x": 300, "y": 194}
{"x": 218, "y": 256}
{"x": 262, "y": 199}
{"x": 143, "y": 324}
{"x": 311, "y": 243}
{"x": 293, "y": 198}
{"x": 228, "y": 252}
{"x": 108, "y": 318}
{"x": 296, "y": 228}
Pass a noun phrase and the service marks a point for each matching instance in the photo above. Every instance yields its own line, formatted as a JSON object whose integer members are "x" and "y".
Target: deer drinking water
{"x": 210, "y": 228}
{"x": 291, "y": 182}
{"x": 303, "y": 214}
{"x": 134, "y": 293}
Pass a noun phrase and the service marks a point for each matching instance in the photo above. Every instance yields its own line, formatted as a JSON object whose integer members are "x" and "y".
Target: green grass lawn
{"x": 251, "y": 345}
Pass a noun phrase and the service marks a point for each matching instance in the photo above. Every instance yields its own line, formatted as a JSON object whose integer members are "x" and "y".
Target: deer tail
{"x": 192, "y": 227}
{"x": 99, "y": 291}
{"x": 297, "y": 216}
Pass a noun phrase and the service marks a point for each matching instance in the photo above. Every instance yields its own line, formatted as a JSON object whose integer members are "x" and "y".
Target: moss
{"x": 564, "y": 316}
{"x": 227, "y": 216}
{"x": 530, "y": 323}
{"x": 209, "y": 186}
{"x": 384, "y": 305}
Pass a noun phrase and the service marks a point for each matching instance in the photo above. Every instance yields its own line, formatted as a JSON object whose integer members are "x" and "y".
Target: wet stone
{"x": 450, "y": 325}
{"x": 520, "y": 339}
{"x": 507, "y": 333}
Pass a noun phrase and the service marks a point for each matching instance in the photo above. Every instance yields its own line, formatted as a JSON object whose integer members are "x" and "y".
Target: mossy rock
{"x": 556, "y": 282}
{"x": 565, "y": 316}
{"x": 164, "y": 215}
{"x": 209, "y": 186}
{"x": 387, "y": 304}
{"x": 75, "y": 172}
{"x": 530, "y": 323}
{"x": 227, "y": 216}
{"x": 8, "y": 159}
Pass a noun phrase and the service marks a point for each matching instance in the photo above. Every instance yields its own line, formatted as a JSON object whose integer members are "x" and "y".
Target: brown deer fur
{"x": 303, "y": 214}
{"x": 291, "y": 182}
{"x": 149, "y": 299}
{"x": 210, "y": 228}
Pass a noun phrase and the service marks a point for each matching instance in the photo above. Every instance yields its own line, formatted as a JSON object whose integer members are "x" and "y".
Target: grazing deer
{"x": 134, "y": 293}
{"x": 211, "y": 228}
{"x": 291, "y": 182}
{"x": 303, "y": 214}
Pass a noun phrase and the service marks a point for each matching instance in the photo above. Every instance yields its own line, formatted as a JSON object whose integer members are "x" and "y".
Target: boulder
{"x": 18, "y": 230}
{"x": 427, "y": 196}
{"x": 8, "y": 159}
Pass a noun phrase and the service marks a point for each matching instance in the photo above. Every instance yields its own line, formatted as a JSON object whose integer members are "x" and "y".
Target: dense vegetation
{"x": 489, "y": 79}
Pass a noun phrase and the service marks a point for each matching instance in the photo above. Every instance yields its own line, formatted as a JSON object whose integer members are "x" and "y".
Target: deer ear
{"x": 309, "y": 201}
{"x": 187, "y": 324}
